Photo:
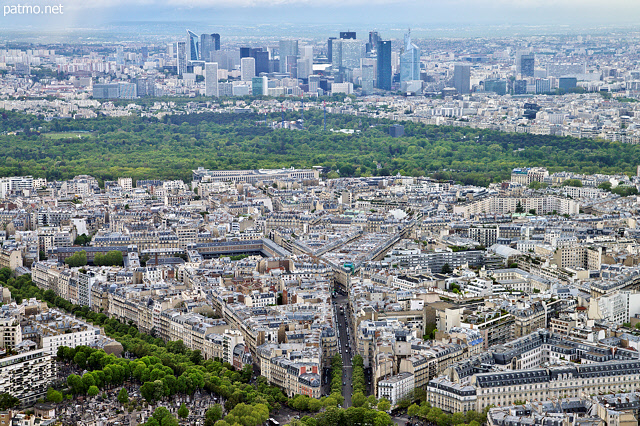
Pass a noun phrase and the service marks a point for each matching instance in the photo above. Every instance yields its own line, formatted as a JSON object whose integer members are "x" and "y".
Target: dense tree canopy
{"x": 144, "y": 147}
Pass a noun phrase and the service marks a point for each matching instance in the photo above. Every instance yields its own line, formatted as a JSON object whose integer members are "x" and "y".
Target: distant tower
{"x": 209, "y": 43}
{"x": 384, "y": 64}
{"x": 211, "y": 79}
{"x": 181, "y": 57}
{"x": 462, "y": 78}
{"x": 193, "y": 47}
{"x": 525, "y": 63}
{"x": 409, "y": 60}
{"x": 247, "y": 68}
{"x": 374, "y": 39}
{"x": 288, "y": 55}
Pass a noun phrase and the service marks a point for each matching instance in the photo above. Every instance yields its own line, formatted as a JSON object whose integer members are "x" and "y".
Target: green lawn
{"x": 66, "y": 135}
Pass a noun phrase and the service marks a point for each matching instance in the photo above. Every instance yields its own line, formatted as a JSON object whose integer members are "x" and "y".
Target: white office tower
{"x": 248, "y": 68}
{"x": 211, "y": 79}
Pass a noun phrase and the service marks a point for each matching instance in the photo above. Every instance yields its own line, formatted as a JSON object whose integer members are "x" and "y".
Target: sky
{"x": 354, "y": 14}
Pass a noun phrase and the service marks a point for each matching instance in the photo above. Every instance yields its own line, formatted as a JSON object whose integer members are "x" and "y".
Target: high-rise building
{"x": 304, "y": 68}
{"x": 145, "y": 86}
{"x": 288, "y": 49}
{"x": 330, "y": 48}
{"x": 119, "y": 55}
{"x": 374, "y": 39}
{"x": 144, "y": 51}
{"x": 384, "y": 64}
{"x": 247, "y": 68}
{"x": 409, "y": 60}
{"x": 314, "y": 84}
{"x": 462, "y": 78}
{"x": 336, "y": 53}
{"x": 306, "y": 52}
{"x": 127, "y": 91}
{"x": 261, "y": 56}
{"x": 567, "y": 83}
{"x": 496, "y": 86}
{"x": 368, "y": 78}
{"x": 262, "y": 62}
{"x": 193, "y": 46}
{"x": 211, "y": 79}
{"x": 181, "y": 57}
{"x": 245, "y": 52}
{"x": 259, "y": 86}
{"x": 348, "y": 35}
{"x": 525, "y": 64}
{"x": 543, "y": 85}
{"x": 106, "y": 91}
{"x": 520, "y": 87}
{"x": 209, "y": 43}
{"x": 353, "y": 51}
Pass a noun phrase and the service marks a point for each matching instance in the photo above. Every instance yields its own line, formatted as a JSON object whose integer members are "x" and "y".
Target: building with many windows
{"x": 396, "y": 387}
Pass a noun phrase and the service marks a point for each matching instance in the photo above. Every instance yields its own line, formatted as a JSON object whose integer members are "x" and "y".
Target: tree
{"x": 169, "y": 421}
{"x": 111, "y": 258}
{"x": 413, "y": 410}
{"x": 147, "y": 390}
{"x": 54, "y": 396}
{"x": 123, "y": 396}
{"x": 315, "y": 404}
{"x": 384, "y": 404}
{"x": 77, "y": 259}
{"x": 382, "y": 419}
{"x": 446, "y": 269}
{"x": 519, "y": 207}
{"x": 183, "y": 411}
{"x": 196, "y": 357}
{"x": 82, "y": 240}
{"x": 213, "y": 414}
{"x": 8, "y": 401}
{"x": 93, "y": 390}
{"x": 358, "y": 399}
{"x": 80, "y": 359}
{"x": 457, "y": 418}
{"x": 300, "y": 403}
{"x": 160, "y": 413}
{"x": 605, "y": 185}
{"x": 88, "y": 380}
{"x": 572, "y": 182}
{"x": 75, "y": 383}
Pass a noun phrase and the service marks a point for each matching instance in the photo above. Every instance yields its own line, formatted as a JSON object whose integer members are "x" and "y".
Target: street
{"x": 345, "y": 345}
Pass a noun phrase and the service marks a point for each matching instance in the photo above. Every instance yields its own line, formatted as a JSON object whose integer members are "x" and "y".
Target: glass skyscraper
{"x": 288, "y": 49}
{"x": 384, "y": 64}
{"x": 409, "y": 60}
{"x": 181, "y": 57}
{"x": 208, "y": 44}
{"x": 193, "y": 46}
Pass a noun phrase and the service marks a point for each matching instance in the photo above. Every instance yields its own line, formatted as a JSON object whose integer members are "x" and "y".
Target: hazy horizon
{"x": 454, "y": 18}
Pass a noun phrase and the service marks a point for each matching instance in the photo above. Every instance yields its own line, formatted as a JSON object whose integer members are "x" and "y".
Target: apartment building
{"x": 27, "y": 375}
{"x": 293, "y": 367}
{"x": 396, "y": 387}
{"x": 503, "y": 205}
